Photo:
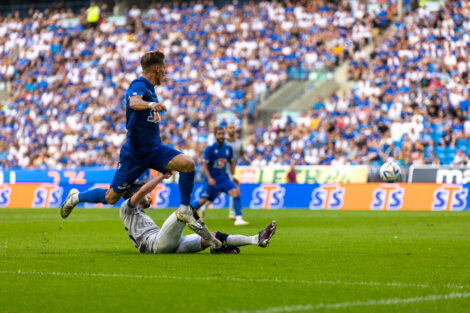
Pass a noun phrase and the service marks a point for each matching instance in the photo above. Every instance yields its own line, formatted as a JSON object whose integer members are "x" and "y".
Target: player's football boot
{"x": 226, "y": 249}
{"x": 241, "y": 222}
{"x": 266, "y": 234}
{"x": 231, "y": 215}
{"x": 185, "y": 214}
{"x": 68, "y": 204}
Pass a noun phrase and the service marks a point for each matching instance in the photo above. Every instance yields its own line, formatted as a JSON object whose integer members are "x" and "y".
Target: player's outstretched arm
{"x": 148, "y": 187}
{"x": 136, "y": 103}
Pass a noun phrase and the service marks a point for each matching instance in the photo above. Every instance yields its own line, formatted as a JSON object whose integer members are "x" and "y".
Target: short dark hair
{"x": 132, "y": 190}
{"x": 152, "y": 58}
{"x": 217, "y": 128}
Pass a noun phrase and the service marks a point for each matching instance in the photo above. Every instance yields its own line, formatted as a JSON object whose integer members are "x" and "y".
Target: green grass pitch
{"x": 334, "y": 261}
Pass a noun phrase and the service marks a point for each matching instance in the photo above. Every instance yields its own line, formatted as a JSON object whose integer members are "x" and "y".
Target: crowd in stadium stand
{"x": 68, "y": 78}
{"x": 412, "y": 102}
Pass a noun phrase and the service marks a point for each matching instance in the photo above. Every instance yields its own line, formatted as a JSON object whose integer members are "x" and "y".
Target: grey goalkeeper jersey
{"x": 139, "y": 226}
{"x": 236, "y": 148}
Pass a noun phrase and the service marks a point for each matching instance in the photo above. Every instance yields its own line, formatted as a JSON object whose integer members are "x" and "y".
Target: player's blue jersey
{"x": 143, "y": 127}
{"x": 218, "y": 159}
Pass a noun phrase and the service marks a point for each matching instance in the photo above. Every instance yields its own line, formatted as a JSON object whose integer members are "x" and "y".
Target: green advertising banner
{"x": 321, "y": 174}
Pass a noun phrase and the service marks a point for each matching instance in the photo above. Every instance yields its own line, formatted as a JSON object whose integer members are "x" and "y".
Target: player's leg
{"x": 231, "y": 210}
{"x": 232, "y": 190}
{"x": 169, "y": 235}
{"x": 185, "y": 165}
{"x": 128, "y": 171}
{"x": 230, "y": 243}
{"x": 168, "y": 159}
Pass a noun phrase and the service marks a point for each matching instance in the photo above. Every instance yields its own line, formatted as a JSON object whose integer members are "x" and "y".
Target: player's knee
{"x": 235, "y": 193}
{"x": 188, "y": 165}
{"x": 111, "y": 197}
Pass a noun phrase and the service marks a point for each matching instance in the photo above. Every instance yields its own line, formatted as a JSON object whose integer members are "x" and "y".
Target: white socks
{"x": 185, "y": 209}
{"x": 240, "y": 240}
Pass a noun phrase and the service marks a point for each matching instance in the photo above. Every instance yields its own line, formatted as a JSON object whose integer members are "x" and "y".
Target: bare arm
{"x": 148, "y": 187}
{"x": 205, "y": 169}
{"x": 138, "y": 104}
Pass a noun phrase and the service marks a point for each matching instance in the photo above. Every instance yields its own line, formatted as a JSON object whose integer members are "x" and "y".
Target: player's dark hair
{"x": 132, "y": 190}
{"x": 217, "y": 128}
{"x": 152, "y": 58}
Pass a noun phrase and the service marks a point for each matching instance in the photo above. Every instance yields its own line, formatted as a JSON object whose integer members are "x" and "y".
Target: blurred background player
{"x": 143, "y": 148}
{"x": 149, "y": 238}
{"x": 237, "y": 150}
{"x": 218, "y": 158}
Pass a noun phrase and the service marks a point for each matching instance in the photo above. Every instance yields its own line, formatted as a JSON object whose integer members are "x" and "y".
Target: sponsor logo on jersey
{"x": 5, "y": 193}
{"x": 268, "y": 196}
{"x": 153, "y": 117}
{"x": 327, "y": 197}
{"x": 220, "y": 163}
{"x": 47, "y": 196}
{"x": 450, "y": 198}
{"x": 387, "y": 197}
{"x": 161, "y": 196}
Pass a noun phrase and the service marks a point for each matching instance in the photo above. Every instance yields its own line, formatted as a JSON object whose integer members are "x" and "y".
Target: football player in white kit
{"x": 149, "y": 238}
{"x": 237, "y": 148}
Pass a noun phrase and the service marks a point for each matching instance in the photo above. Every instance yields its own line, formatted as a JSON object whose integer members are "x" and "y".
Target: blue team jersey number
{"x": 153, "y": 117}
{"x": 220, "y": 163}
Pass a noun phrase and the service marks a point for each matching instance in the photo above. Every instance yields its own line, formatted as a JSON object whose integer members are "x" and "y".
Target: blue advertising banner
{"x": 367, "y": 196}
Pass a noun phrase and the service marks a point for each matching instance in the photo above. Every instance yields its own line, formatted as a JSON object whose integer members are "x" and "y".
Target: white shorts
{"x": 169, "y": 239}
{"x": 186, "y": 244}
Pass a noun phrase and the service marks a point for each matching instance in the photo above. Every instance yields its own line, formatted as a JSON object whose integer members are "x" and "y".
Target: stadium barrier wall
{"x": 367, "y": 196}
{"x": 318, "y": 174}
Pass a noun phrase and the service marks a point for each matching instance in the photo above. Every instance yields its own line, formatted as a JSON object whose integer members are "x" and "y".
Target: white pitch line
{"x": 340, "y": 305}
{"x": 234, "y": 279}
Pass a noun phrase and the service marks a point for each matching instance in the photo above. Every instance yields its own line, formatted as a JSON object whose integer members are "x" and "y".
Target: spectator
{"x": 292, "y": 175}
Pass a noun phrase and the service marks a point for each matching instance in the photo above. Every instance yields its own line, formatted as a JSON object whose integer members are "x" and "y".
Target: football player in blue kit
{"x": 143, "y": 149}
{"x": 217, "y": 158}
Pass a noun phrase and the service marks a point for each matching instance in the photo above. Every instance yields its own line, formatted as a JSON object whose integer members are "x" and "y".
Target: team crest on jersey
{"x": 47, "y": 196}
{"x": 5, "y": 193}
{"x": 387, "y": 197}
{"x": 161, "y": 196}
{"x": 268, "y": 197}
{"x": 218, "y": 202}
{"x": 450, "y": 198}
{"x": 327, "y": 197}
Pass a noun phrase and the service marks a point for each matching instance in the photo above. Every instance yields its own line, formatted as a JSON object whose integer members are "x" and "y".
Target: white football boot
{"x": 185, "y": 214}
{"x": 69, "y": 203}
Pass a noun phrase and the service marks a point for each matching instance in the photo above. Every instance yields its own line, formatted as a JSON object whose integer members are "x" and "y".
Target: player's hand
{"x": 211, "y": 181}
{"x": 158, "y": 107}
{"x": 167, "y": 175}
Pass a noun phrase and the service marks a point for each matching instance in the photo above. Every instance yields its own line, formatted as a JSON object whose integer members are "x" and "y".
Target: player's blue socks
{"x": 96, "y": 195}
{"x": 186, "y": 185}
{"x": 237, "y": 206}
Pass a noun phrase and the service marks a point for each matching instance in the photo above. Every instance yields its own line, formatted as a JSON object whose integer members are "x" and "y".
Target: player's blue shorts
{"x": 132, "y": 167}
{"x": 222, "y": 184}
